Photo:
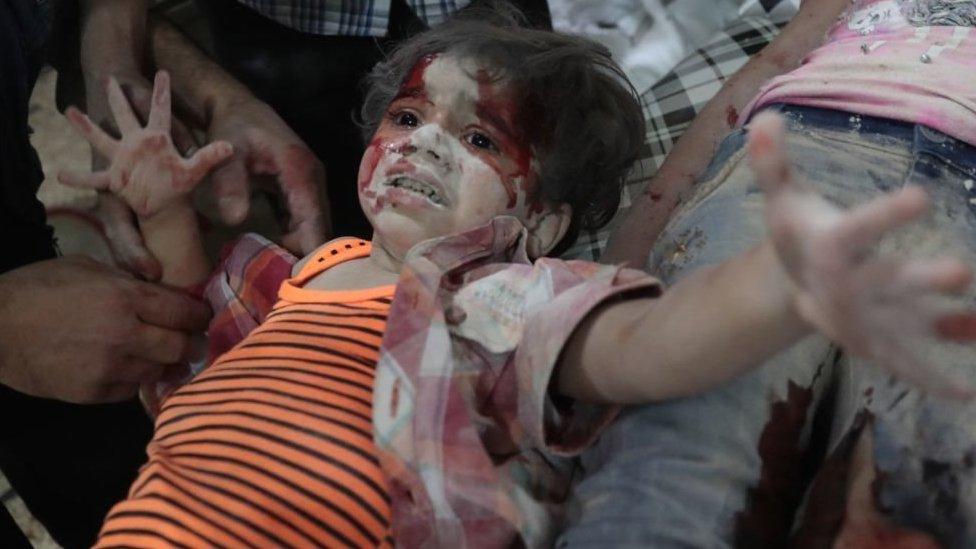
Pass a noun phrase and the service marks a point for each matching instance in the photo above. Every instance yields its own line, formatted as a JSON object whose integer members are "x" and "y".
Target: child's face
{"x": 448, "y": 156}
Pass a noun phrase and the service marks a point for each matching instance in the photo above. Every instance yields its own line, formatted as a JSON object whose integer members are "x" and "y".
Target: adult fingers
{"x": 160, "y": 109}
{"x": 137, "y": 369}
{"x": 103, "y": 142}
{"x": 125, "y": 118}
{"x": 301, "y": 178}
{"x": 864, "y": 225}
{"x": 157, "y": 345}
{"x": 207, "y": 158}
{"x": 99, "y": 181}
{"x": 117, "y": 392}
{"x": 171, "y": 309}
{"x": 125, "y": 239}
{"x": 767, "y": 155}
{"x": 230, "y": 185}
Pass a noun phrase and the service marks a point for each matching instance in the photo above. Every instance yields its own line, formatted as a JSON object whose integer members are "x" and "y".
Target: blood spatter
{"x": 731, "y": 116}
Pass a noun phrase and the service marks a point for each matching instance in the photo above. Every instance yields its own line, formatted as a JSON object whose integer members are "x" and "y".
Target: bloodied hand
{"x": 876, "y": 307}
{"x": 145, "y": 169}
{"x": 270, "y": 156}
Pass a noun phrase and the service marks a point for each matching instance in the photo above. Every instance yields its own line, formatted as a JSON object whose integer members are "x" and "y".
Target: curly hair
{"x": 577, "y": 108}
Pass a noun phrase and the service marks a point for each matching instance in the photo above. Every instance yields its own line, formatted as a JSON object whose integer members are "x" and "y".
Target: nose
{"x": 432, "y": 142}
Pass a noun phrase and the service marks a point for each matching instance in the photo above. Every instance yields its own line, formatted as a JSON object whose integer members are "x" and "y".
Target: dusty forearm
{"x": 199, "y": 84}
{"x": 173, "y": 237}
{"x": 707, "y": 329}
{"x": 112, "y": 37}
{"x": 692, "y": 154}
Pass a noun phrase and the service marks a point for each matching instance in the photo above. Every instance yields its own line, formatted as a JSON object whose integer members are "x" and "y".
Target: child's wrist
{"x": 180, "y": 212}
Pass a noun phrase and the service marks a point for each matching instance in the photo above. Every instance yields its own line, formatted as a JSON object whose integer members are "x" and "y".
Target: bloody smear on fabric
{"x": 771, "y": 504}
{"x": 827, "y": 502}
{"x": 500, "y": 111}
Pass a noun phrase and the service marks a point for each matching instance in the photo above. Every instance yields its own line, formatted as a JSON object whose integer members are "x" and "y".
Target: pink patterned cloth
{"x": 473, "y": 444}
{"x": 475, "y": 449}
{"x": 908, "y": 60}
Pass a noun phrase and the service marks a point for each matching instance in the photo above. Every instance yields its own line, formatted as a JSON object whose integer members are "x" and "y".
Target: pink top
{"x": 897, "y": 59}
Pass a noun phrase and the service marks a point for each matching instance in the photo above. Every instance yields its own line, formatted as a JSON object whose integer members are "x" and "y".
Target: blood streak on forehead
{"x": 414, "y": 85}
{"x": 498, "y": 108}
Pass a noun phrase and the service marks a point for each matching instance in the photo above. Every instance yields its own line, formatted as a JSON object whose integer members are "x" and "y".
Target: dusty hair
{"x": 576, "y": 106}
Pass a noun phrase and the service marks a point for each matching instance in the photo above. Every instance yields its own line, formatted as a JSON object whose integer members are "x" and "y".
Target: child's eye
{"x": 481, "y": 141}
{"x": 406, "y": 118}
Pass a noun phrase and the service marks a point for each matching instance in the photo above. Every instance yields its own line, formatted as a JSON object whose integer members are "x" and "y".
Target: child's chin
{"x": 403, "y": 231}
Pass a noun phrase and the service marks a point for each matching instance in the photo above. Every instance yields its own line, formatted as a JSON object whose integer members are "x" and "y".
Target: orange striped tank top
{"x": 272, "y": 446}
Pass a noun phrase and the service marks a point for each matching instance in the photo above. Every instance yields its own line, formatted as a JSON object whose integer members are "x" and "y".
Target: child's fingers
{"x": 160, "y": 107}
{"x": 208, "y": 158}
{"x": 956, "y": 327}
{"x": 767, "y": 156}
{"x": 103, "y": 142}
{"x": 863, "y": 226}
{"x": 945, "y": 276}
{"x": 99, "y": 180}
{"x": 125, "y": 118}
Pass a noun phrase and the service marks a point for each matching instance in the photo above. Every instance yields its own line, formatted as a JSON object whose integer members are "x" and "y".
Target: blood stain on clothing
{"x": 824, "y": 513}
{"x": 771, "y": 504}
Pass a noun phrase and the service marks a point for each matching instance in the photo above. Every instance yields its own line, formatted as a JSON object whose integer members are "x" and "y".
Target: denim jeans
{"x": 731, "y": 467}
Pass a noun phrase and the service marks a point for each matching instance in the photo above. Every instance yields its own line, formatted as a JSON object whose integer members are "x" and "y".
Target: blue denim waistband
{"x": 920, "y": 139}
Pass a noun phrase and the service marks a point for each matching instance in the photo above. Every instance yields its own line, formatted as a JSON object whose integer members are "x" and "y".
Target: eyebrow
{"x": 496, "y": 121}
{"x": 415, "y": 92}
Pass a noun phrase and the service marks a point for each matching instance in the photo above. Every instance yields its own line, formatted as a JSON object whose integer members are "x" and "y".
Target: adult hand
{"x": 878, "y": 308}
{"x": 269, "y": 153}
{"x": 74, "y": 330}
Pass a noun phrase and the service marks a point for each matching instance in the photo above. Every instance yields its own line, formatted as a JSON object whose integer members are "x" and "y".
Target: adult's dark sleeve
{"x": 68, "y": 463}
{"x": 26, "y": 236}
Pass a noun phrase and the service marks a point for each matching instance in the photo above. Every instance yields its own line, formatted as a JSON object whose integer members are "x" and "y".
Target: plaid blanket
{"x": 672, "y": 104}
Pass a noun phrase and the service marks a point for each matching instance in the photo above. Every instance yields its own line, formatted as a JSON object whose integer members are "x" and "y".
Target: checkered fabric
{"x": 348, "y": 17}
{"x": 672, "y": 104}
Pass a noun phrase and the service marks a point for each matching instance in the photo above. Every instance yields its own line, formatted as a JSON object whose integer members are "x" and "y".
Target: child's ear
{"x": 547, "y": 227}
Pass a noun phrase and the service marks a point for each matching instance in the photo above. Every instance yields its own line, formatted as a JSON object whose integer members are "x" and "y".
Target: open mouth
{"x": 419, "y": 187}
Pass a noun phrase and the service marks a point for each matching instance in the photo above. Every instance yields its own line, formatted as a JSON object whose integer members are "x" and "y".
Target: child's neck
{"x": 380, "y": 268}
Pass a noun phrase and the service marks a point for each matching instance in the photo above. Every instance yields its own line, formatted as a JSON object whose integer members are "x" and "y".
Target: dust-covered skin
{"x": 878, "y": 308}
{"x": 145, "y": 169}
{"x": 446, "y": 158}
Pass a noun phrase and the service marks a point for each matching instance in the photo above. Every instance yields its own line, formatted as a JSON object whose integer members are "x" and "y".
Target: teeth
{"x": 418, "y": 187}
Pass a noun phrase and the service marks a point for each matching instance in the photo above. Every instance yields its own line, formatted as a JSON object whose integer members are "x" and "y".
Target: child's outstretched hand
{"x": 875, "y": 307}
{"x": 145, "y": 168}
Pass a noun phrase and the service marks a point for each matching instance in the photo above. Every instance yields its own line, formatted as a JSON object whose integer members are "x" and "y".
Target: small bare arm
{"x": 632, "y": 241}
{"x": 816, "y": 272}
